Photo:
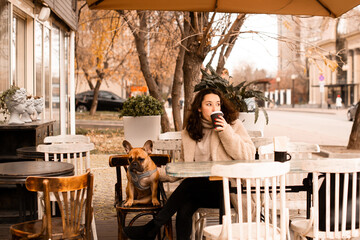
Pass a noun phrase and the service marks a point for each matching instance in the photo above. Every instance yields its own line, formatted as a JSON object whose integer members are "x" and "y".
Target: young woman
{"x": 201, "y": 142}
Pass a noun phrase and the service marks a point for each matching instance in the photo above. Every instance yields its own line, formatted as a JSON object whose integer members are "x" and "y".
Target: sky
{"x": 257, "y": 49}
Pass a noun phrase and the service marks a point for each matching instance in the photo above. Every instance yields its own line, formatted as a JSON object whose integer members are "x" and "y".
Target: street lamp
{"x": 293, "y": 76}
{"x": 278, "y": 88}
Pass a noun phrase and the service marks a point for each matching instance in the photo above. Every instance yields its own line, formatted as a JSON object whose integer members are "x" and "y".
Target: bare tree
{"x": 98, "y": 54}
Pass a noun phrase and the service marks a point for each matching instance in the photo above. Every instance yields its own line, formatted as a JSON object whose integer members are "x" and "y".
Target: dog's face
{"x": 138, "y": 157}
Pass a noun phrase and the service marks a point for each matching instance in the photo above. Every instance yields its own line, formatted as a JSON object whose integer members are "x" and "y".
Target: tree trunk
{"x": 354, "y": 139}
{"x": 95, "y": 98}
{"x": 191, "y": 69}
{"x": 193, "y": 59}
{"x": 178, "y": 77}
{"x": 145, "y": 68}
{"x": 176, "y": 90}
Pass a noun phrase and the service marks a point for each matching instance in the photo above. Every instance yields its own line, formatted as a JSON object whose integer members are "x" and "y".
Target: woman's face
{"x": 209, "y": 104}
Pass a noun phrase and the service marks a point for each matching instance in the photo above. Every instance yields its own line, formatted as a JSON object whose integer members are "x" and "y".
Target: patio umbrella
{"x": 331, "y": 8}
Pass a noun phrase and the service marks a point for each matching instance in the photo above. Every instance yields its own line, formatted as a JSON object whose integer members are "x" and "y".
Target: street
{"x": 324, "y": 128}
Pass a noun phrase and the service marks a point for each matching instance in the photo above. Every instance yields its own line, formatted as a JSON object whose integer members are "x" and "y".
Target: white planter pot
{"x": 248, "y": 120}
{"x": 138, "y": 130}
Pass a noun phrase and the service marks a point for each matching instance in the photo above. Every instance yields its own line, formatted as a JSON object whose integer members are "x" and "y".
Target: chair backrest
{"x": 260, "y": 178}
{"x": 170, "y": 136}
{"x": 260, "y": 141}
{"x": 168, "y": 143}
{"x": 255, "y": 133}
{"x": 335, "y": 187}
{"x": 75, "y": 153}
{"x": 122, "y": 161}
{"x": 73, "y": 196}
{"x": 298, "y": 150}
{"x": 67, "y": 139}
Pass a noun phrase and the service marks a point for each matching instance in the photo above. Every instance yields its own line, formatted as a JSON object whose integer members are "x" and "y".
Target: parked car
{"x": 107, "y": 101}
{"x": 352, "y": 111}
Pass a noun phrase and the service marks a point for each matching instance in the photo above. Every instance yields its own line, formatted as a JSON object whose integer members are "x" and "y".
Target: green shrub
{"x": 141, "y": 106}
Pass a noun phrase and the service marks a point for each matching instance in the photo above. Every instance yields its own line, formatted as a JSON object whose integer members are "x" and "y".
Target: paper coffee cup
{"x": 214, "y": 116}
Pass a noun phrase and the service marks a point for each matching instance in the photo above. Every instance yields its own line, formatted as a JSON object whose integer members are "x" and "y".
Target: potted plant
{"x": 141, "y": 116}
{"x": 243, "y": 95}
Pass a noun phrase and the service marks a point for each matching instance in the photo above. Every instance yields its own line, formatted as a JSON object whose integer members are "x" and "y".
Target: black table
{"x": 17, "y": 172}
{"x": 29, "y": 153}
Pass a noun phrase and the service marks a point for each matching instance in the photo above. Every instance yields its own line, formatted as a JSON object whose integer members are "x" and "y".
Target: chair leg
{"x": 93, "y": 228}
{"x": 168, "y": 230}
{"x": 121, "y": 223}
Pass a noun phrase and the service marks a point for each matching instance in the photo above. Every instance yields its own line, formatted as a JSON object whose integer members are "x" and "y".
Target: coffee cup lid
{"x": 216, "y": 112}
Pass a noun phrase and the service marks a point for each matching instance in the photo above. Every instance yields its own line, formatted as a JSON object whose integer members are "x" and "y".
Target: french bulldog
{"x": 142, "y": 175}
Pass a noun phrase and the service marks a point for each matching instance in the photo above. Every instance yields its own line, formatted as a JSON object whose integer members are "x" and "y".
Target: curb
{"x": 99, "y": 124}
{"x": 301, "y": 110}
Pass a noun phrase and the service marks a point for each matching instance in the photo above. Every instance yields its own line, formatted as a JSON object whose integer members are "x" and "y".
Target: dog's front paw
{"x": 128, "y": 203}
{"x": 155, "y": 202}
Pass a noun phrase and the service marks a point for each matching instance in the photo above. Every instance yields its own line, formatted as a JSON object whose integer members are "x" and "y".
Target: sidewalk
{"x": 341, "y": 111}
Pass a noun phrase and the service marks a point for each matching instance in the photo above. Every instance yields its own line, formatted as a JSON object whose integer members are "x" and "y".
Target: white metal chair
{"x": 74, "y": 149}
{"x": 199, "y": 218}
{"x": 297, "y": 150}
{"x": 339, "y": 190}
{"x": 255, "y": 133}
{"x": 168, "y": 143}
{"x": 263, "y": 183}
{"x": 67, "y": 139}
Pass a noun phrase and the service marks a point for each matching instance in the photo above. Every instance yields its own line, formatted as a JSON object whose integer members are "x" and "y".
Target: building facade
{"x": 37, "y": 53}
{"x": 338, "y": 43}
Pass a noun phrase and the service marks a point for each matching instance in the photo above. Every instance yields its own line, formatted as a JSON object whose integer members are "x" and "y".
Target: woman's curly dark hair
{"x": 194, "y": 125}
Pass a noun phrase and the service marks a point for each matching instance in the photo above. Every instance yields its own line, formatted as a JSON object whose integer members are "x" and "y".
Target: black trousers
{"x": 191, "y": 194}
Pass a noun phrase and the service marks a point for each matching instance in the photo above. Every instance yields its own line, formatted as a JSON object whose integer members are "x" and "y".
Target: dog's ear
{"x": 148, "y": 146}
{"x": 127, "y": 146}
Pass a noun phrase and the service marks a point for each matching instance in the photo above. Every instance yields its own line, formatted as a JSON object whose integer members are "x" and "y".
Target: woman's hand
{"x": 221, "y": 124}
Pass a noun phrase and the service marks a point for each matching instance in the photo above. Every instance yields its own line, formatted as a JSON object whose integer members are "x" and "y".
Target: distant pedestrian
{"x": 329, "y": 103}
{"x": 169, "y": 99}
{"x": 338, "y": 102}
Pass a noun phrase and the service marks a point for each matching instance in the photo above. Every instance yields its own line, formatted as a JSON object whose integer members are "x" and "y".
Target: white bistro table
{"x": 203, "y": 169}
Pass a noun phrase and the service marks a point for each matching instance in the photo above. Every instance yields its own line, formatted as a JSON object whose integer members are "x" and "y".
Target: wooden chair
{"x": 263, "y": 182}
{"x": 339, "y": 190}
{"x": 297, "y": 150}
{"x": 72, "y": 149}
{"x": 73, "y": 196}
{"x": 121, "y": 163}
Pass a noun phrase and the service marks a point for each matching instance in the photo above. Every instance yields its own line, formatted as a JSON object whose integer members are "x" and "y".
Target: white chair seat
{"x": 213, "y": 232}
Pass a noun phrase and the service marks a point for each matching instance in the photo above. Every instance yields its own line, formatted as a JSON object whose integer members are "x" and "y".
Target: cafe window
{"x": 55, "y": 76}
{"x": 18, "y": 50}
{"x": 47, "y": 69}
{"x": 4, "y": 45}
{"x": 38, "y": 59}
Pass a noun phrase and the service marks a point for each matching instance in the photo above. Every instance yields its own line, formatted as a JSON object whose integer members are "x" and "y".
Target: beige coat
{"x": 234, "y": 143}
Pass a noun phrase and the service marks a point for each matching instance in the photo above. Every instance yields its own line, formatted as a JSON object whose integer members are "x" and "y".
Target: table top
{"x": 29, "y": 152}
{"x": 203, "y": 169}
{"x": 17, "y": 172}
{"x": 32, "y": 125}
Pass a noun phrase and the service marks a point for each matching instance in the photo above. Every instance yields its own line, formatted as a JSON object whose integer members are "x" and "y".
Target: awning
{"x": 332, "y": 8}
